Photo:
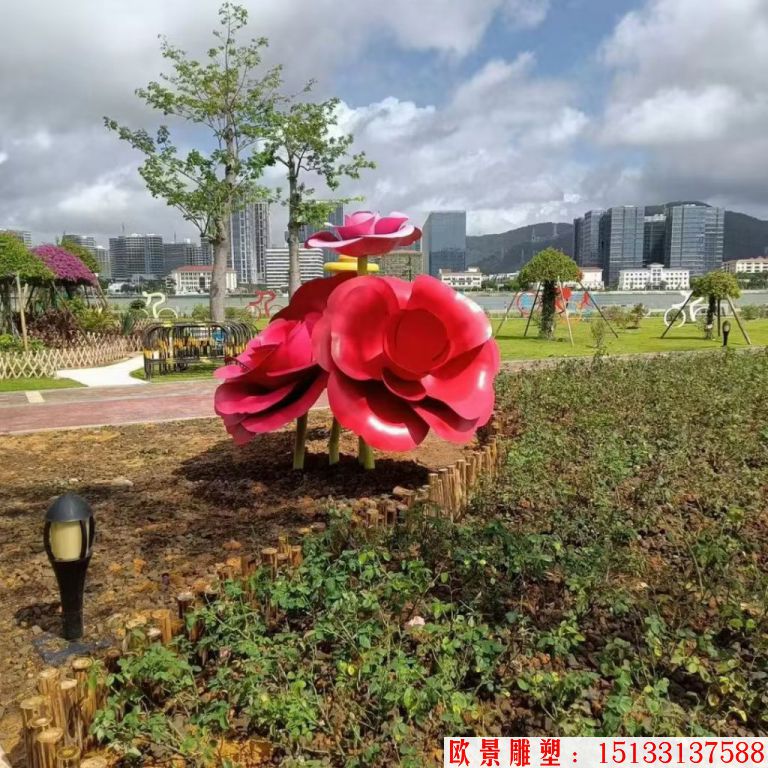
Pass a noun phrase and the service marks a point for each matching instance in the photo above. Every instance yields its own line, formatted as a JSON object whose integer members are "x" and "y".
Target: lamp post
{"x": 68, "y": 534}
{"x": 726, "y": 331}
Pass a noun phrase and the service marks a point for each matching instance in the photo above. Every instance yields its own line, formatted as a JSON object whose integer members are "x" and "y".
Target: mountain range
{"x": 745, "y": 237}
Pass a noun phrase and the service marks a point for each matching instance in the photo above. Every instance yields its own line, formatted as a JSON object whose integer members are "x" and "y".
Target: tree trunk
{"x": 294, "y": 200}
{"x": 548, "y": 296}
{"x": 219, "y": 274}
{"x": 711, "y": 310}
{"x": 223, "y": 225}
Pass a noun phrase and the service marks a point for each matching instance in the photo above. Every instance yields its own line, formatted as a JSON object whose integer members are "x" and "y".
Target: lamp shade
{"x": 69, "y": 529}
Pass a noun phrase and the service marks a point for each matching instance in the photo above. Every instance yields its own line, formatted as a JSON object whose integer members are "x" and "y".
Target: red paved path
{"x": 108, "y": 406}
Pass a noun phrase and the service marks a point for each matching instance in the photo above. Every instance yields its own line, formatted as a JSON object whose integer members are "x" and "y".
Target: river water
{"x": 653, "y": 300}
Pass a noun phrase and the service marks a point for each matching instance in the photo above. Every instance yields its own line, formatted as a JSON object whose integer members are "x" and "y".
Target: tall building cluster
{"x": 444, "y": 242}
{"x": 685, "y": 236}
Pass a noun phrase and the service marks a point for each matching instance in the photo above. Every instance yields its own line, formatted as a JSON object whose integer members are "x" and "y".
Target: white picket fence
{"x": 96, "y": 349}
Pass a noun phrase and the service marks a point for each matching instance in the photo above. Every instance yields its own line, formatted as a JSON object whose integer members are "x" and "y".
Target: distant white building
{"x": 470, "y": 279}
{"x": 195, "y": 278}
{"x": 310, "y": 266}
{"x": 654, "y": 277}
{"x": 592, "y": 278}
{"x": 751, "y": 266}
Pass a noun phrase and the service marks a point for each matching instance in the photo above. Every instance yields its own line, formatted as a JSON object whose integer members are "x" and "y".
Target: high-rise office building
{"x": 22, "y": 234}
{"x": 101, "y": 254}
{"x": 206, "y": 251}
{"x": 249, "y": 240}
{"x": 622, "y": 234}
{"x": 444, "y": 242}
{"x": 184, "y": 254}
{"x": 654, "y": 239}
{"x": 586, "y": 239}
{"x": 694, "y": 238}
{"x": 277, "y": 261}
{"x": 136, "y": 255}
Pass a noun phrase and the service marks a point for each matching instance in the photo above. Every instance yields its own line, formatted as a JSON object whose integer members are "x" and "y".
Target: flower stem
{"x": 364, "y": 451}
{"x": 333, "y": 442}
{"x": 298, "y": 446}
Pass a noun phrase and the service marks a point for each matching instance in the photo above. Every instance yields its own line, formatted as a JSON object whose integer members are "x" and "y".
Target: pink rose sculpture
{"x": 365, "y": 233}
{"x": 403, "y": 358}
{"x": 276, "y": 379}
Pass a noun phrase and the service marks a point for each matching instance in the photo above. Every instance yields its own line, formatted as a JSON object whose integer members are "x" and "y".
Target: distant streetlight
{"x": 726, "y": 331}
{"x": 68, "y": 535}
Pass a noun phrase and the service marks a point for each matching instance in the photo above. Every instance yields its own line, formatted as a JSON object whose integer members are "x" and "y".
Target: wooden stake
{"x": 135, "y": 635}
{"x": 434, "y": 487}
{"x": 22, "y": 311}
{"x": 73, "y": 723}
{"x": 162, "y": 618}
{"x": 86, "y": 693}
{"x": 48, "y": 685}
{"x": 154, "y": 635}
{"x": 46, "y": 744}
{"x": 533, "y": 306}
{"x": 738, "y": 320}
{"x": 297, "y": 555}
{"x": 68, "y": 757}
{"x": 269, "y": 560}
{"x": 565, "y": 304}
{"x": 93, "y": 762}
{"x": 185, "y": 601}
{"x": 33, "y": 708}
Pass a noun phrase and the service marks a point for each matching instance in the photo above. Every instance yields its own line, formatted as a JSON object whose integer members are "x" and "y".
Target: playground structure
{"x": 172, "y": 347}
{"x": 260, "y": 307}
{"x": 584, "y": 308}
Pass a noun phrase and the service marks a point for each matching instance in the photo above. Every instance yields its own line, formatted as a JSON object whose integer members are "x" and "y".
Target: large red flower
{"x": 406, "y": 357}
{"x": 367, "y": 234}
{"x": 276, "y": 379}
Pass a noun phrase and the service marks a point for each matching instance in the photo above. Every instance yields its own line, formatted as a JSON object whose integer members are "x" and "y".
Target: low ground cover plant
{"x": 612, "y": 581}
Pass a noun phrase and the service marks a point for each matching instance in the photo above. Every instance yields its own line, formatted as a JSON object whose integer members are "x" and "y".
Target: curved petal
{"x": 447, "y": 423}
{"x": 321, "y": 342}
{"x": 293, "y": 355}
{"x": 465, "y": 322}
{"x": 416, "y": 342}
{"x": 303, "y": 397}
{"x": 383, "y": 420}
{"x": 322, "y": 239}
{"x": 359, "y": 311}
{"x": 241, "y": 398}
{"x": 465, "y": 383}
{"x": 388, "y": 224}
{"x": 405, "y": 388}
{"x": 359, "y": 223}
{"x": 411, "y": 238}
{"x": 310, "y": 297}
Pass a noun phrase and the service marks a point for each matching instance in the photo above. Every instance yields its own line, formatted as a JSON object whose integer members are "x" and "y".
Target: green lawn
{"x": 515, "y": 346}
{"x": 24, "y": 385}
{"x": 198, "y": 372}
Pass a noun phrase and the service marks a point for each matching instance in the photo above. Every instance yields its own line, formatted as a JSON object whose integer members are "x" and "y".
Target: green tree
{"x": 223, "y": 95}
{"x": 16, "y": 259}
{"x": 548, "y": 267}
{"x": 304, "y": 139}
{"x": 716, "y": 286}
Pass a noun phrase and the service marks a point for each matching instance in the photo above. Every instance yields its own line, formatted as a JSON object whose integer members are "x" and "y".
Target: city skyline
{"x": 472, "y": 106}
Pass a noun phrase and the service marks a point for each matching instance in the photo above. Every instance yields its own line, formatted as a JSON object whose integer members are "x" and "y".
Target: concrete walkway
{"x": 115, "y": 375}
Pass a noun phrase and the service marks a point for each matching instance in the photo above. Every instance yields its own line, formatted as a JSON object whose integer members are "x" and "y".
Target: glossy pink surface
{"x": 276, "y": 378}
{"x": 367, "y": 234}
{"x": 404, "y": 358}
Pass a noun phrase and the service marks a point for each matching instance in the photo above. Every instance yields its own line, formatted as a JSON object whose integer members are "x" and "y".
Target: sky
{"x": 519, "y": 111}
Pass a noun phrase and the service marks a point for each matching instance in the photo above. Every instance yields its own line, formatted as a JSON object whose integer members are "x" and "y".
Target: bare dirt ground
{"x": 169, "y": 499}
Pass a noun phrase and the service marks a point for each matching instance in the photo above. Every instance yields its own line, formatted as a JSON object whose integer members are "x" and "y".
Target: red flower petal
{"x": 465, "y": 322}
{"x": 360, "y": 310}
{"x": 393, "y": 223}
{"x": 303, "y": 397}
{"x": 242, "y": 398}
{"x": 407, "y": 389}
{"x": 382, "y": 419}
{"x": 310, "y": 297}
{"x": 416, "y": 342}
{"x": 446, "y": 423}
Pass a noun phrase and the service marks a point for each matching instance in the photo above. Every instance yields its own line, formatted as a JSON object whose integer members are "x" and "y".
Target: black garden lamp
{"x": 726, "y": 331}
{"x": 69, "y": 532}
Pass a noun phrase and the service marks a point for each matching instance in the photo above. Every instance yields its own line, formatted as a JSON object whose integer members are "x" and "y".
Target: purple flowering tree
{"x": 66, "y": 268}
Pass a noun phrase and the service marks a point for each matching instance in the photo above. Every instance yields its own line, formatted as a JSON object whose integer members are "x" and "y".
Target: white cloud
{"x": 689, "y": 90}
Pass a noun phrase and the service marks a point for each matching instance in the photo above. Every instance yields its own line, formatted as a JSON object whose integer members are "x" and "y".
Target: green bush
{"x": 610, "y": 581}
{"x": 9, "y": 343}
{"x": 750, "y": 312}
{"x": 598, "y": 328}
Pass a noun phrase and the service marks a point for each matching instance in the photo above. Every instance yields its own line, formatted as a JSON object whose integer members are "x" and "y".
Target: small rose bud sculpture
{"x": 397, "y": 358}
